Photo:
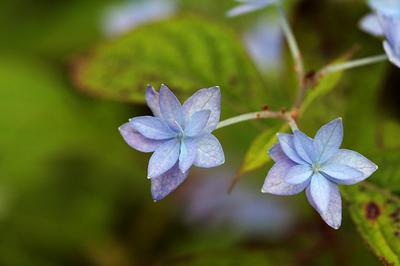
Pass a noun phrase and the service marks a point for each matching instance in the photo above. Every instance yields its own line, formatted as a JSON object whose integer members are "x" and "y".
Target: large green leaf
{"x": 388, "y": 175}
{"x": 185, "y": 53}
{"x": 376, "y": 213}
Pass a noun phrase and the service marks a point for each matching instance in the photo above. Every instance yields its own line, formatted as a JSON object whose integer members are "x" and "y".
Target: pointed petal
{"x": 275, "y": 181}
{"x": 370, "y": 24}
{"x": 304, "y": 146}
{"x": 153, "y": 100}
{"x": 277, "y": 153}
{"x": 137, "y": 140}
{"x": 354, "y": 160}
{"x": 394, "y": 57}
{"x": 188, "y": 154}
{"x": 205, "y": 99}
{"x": 209, "y": 152}
{"x": 164, "y": 184}
{"x": 342, "y": 174}
{"x": 287, "y": 145}
{"x": 320, "y": 191}
{"x": 171, "y": 108}
{"x": 333, "y": 214}
{"x": 151, "y": 127}
{"x": 197, "y": 123}
{"x": 328, "y": 139}
{"x": 164, "y": 158}
{"x": 298, "y": 174}
{"x": 386, "y": 7}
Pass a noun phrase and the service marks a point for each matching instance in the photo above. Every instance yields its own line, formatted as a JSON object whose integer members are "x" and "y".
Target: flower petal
{"x": 137, "y": 140}
{"x": 304, "y": 146}
{"x": 298, "y": 174}
{"x": 164, "y": 158}
{"x": 171, "y": 108}
{"x": 209, "y": 152}
{"x": 355, "y": 160}
{"x": 197, "y": 123}
{"x": 370, "y": 24}
{"x": 328, "y": 139}
{"x": 287, "y": 145}
{"x": 275, "y": 181}
{"x": 152, "y": 127}
{"x": 153, "y": 100}
{"x": 342, "y": 174}
{"x": 205, "y": 99}
{"x": 394, "y": 57}
{"x": 386, "y": 7}
{"x": 277, "y": 153}
{"x": 320, "y": 191}
{"x": 188, "y": 153}
{"x": 333, "y": 214}
{"x": 164, "y": 184}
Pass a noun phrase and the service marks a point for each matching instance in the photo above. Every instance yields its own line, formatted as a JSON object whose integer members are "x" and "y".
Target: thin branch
{"x": 354, "y": 64}
{"x": 292, "y": 43}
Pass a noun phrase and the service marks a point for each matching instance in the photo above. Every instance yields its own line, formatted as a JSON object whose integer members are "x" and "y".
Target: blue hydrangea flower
{"x": 385, "y": 22}
{"x": 318, "y": 166}
{"x": 179, "y": 135}
{"x": 247, "y": 6}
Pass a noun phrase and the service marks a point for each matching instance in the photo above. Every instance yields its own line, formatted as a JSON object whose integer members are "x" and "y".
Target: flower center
{"x": 316, "y": 167}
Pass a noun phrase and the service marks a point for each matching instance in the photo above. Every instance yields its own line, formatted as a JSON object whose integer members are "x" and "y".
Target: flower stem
{"x": 354, "y": 64}
{"x": 258, "y": 115}
{"x": 292, "y": 43}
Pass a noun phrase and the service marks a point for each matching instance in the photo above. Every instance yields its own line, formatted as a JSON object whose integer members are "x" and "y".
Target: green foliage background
{"x": 73, "y": 193}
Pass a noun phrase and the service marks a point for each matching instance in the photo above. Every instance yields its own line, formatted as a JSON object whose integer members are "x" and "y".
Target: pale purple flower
{"x": 247, "y": 6}
{"x": 318, "y": 166}
{"x": 179, "y": 135}
{"x": 385, "y": 21}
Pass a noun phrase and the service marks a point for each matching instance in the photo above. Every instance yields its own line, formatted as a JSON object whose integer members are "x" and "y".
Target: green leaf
{"x": 185, "y": 53}
{"x": 388, "y": 175}
{"x": 257, "y": 154}
{"x": 376, "y": 213}
{"x": 324, "y": 84}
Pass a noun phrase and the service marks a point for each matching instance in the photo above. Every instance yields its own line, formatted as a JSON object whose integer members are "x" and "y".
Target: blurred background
{"x": 73, "y": 193}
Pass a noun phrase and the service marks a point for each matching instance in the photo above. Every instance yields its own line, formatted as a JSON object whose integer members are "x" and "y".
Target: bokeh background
{"x": 73, "y": 193}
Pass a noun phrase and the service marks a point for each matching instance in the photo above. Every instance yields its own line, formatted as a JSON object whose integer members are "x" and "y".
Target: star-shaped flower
{"x": 247, "y": 6}
{"x": 316, "y": 165}
{"x": 385, "y": 21}
{"x": 179, "y": 135}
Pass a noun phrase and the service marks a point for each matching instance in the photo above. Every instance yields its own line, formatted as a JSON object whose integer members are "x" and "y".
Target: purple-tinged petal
{"x": 355, "y": 160}
{"x": 137, "y": 140}
{"x": 298, "y": 174}
{"x": 333, "y": 214}
{"x": 171, "y": 109}
{"x": 164, "y": 158}
{"x": 370, "y": 24}
{"x": 341, "y": 174}
{"x": 386, "y": 7}
{"x": 188, "y": 153}
{"x": 277, "y": 153}
{"x": 153, "y": 100}
{"x": 287, "y": 144}
{"x": 152, "y": 127}
{"x": 275, "y": 181}
{"x": 320, "y": 191}
{"x": 209, "y": 152}
{"x": 249, "y": 6}
{"x": 393, "y": 57}
{"x": 328, "y": 139}
{"x": 164, "y": 184}
{"x": 304, "y": 146}
{"x": 205, "y": 99}
{"x": 197, "y": 123}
